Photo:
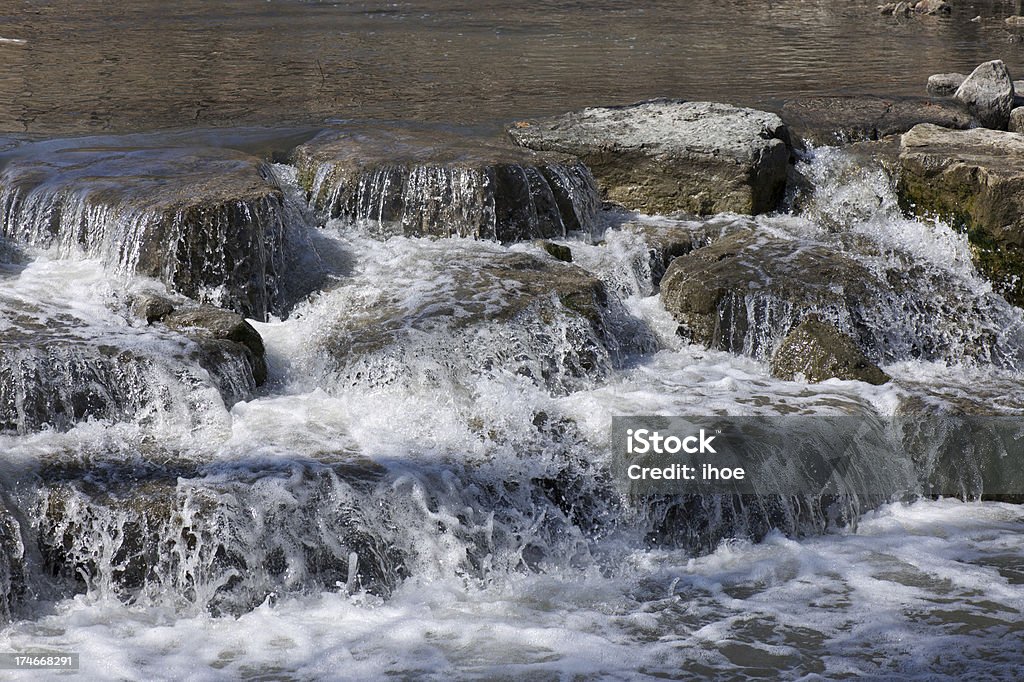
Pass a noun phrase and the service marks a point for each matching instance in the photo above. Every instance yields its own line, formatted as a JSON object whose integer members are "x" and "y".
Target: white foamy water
{"x": 433, "y": 501}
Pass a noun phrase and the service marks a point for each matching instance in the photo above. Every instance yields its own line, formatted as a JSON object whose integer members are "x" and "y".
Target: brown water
{"x": 90, "y": 67}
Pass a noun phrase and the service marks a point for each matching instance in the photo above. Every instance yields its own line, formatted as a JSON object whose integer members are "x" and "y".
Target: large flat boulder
{"x": 207, "y": 222}
{"x": 975, "y": 180}
{"x": 832, "y": 120}
{"x": 433, "y": 183}
{"x": 665, "y": 156}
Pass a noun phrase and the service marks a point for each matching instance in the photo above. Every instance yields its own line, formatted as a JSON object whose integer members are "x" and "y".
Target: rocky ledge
{"x": 433, "y": 183}
{"x": 207, "y": 222}
{"x": 665, "y": 156}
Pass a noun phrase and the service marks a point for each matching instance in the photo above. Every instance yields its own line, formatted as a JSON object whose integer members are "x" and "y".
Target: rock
{"x": 975, "y": 180}
{"x": 492, "y": 312}
{"x": 887, "y": 8}
{"x": 1015, "y": 21}
{"x": 816, "y": 351}
{"x": 845, "y": 119}
{"x": 901, "y": 8}
{"x": 222, "y": 334}
{"x": 440, "y": 184}
{"x": 152, "y": 308}
{"x": 933, "y": 7}
{"x": 945, "y": 84}
{"x": 988, "y": 94}
{"x": 663, "y": 156}
{"x": 558, "y": 251}
{"x": 667, "y": 242}
{"x": 1016, "y": 124}
{"x": 207, "y": 222}
{"x": 746, "y": 291}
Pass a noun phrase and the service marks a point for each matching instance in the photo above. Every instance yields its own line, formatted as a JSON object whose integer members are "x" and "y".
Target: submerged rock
{"x": 206, "y": 222}
{"x": 664, "y": 156}
{"x": 816, "y": 351}
{"x": 485, "y": 313}
{"x": 974, "y": 179}
{"x": 945, "y": 84}
{"x": 854, "y": 118}
{"x": 439, "y": 184}
{"x": 988, "y": 94}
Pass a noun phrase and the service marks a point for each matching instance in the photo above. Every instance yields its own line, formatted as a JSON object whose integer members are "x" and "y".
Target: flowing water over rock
{"x": 422, "y": 485}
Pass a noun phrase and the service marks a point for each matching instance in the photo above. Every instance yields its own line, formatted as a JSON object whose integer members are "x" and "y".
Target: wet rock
{"x": 816, "y": 351}
{"x": 12, "y": 563}
{"x": 487, "y": 313}
{"x": 152, "y": 308}
{"x": 1015, "y": 21}
{"x": 845, "y": 119}
{"x": 169, "y": 530}
{"x": 933, "y": 7}
{"x": 558, "y": 251}
{"x": 663, "y": 156}
{"x": 221, "y": 334}
{"x": 666, "y": 242}
{"x": 208, "y": 223}
{"x": 887, "y": 8}
{"x": 974, "y": 179}
{"x": 901, "y": 8}
{"x": 440, "y": 184}
{"x": 988, "y": 94}
{"x": 745, "y": 292}
{"x": 945, "y": 84}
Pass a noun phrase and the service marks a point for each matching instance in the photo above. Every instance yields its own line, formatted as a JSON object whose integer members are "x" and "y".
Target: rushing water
{"x": 419, "y": 491}
{"x": 421, "y": 488}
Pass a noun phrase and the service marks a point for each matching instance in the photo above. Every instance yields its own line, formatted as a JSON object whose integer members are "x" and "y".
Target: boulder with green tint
{"x": 975, "y": 180}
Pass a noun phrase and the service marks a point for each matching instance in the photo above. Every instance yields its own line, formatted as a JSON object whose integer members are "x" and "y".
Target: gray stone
{"x": 663, "y": 156}
{"x": 855, "y": 118}
{"x": 945, "y": 84}
{"x": 988, "y": 94}
{"x": 1015, "y": 21}
{"x": 152, "y": 308}
{"x": 901, "y": 8}
{"x": 974, "y": 179}
{"x": 207, "y": 222}
{"x": 816, "y": 351}
{"x": 1016, "y": 124}
{"x": 933, "y": 7}
{"x": 440, "y": 184}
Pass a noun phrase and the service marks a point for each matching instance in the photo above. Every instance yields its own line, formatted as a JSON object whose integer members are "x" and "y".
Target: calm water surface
{"x": 91, "y": 67}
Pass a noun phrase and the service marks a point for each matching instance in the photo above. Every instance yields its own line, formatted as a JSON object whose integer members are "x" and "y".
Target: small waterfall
{"x": 480, "y": 194}
{"x": 199, "y": 235}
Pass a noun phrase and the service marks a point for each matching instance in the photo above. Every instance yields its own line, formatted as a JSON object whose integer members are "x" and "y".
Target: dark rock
{"x": 816, "y": 351}
{"x": 887, "y": 8}
{"x": 208, "y": 223}
{"x": 152, "y": 308}
{"x": 665, "y": 243}
{"x": 844, "y": 119}
{"x": 558, "y": 251}
{"x": 440, "y": 184}
{"x": 988, "y": 94}
{"x": 222, "y": 333}
{"x": 945, "y": 84}
{"x": 901, "y": 8}
{"x": 664, "y": 156}
{"x": 974, "y": 179}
